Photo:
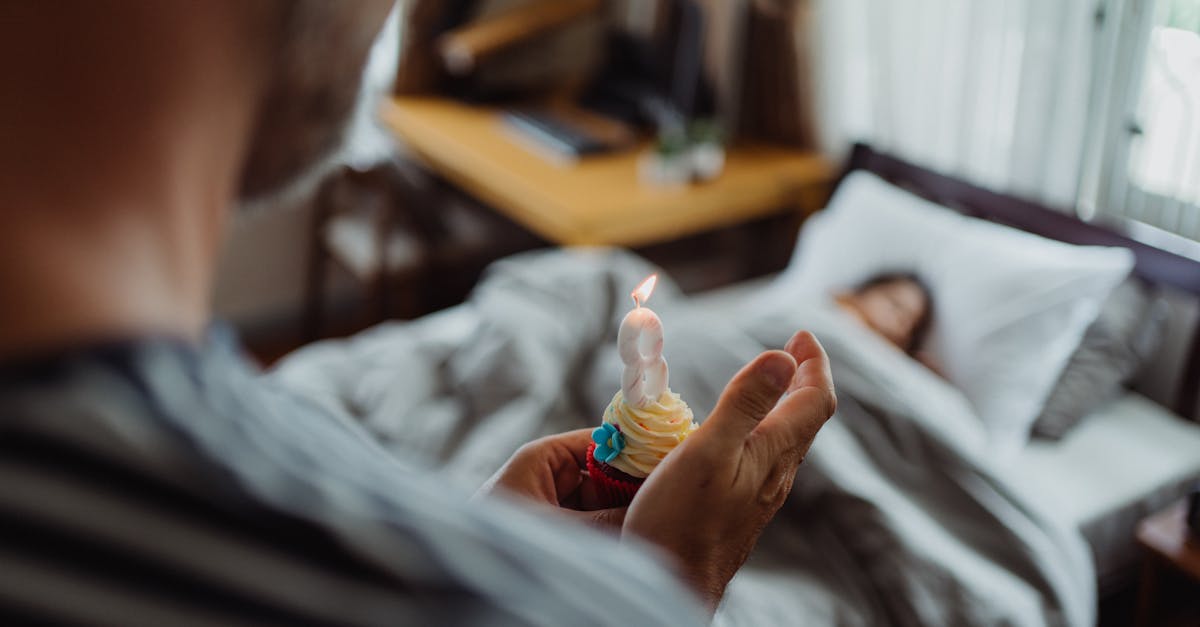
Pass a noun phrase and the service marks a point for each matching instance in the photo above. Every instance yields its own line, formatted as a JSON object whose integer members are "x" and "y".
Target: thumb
{"x": 750, "y": 395}
{"x": 611, "y": 518}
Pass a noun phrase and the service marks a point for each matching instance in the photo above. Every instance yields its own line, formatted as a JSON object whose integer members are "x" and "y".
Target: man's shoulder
{"x": 199, "y": 416}
{"x": 188, "y": 463}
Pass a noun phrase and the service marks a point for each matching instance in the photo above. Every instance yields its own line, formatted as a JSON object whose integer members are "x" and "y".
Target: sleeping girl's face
{"x": 893, "y": 309}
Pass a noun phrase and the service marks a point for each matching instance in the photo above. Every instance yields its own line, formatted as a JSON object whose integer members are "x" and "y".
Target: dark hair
{"x": 921, "y": 329}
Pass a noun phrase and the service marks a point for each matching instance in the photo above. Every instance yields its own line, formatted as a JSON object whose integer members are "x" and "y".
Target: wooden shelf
{"x": 599, "y": 200}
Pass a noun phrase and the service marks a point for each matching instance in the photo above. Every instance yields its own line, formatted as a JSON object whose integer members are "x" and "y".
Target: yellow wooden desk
{"x": 599, "y": 200}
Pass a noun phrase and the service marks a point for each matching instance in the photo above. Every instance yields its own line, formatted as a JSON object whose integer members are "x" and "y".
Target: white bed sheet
{"x": 900, "y": 544}
{"x": 1128, "y": 460}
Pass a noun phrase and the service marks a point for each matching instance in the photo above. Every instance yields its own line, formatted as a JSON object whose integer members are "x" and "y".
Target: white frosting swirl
{"x": 650, "y": 432}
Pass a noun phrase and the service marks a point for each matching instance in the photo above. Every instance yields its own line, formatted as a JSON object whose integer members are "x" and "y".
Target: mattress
{"x": 1127, "y": 460}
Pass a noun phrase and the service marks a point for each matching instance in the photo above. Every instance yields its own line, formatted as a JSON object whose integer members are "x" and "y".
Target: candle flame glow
{"x": 642, "y": 293}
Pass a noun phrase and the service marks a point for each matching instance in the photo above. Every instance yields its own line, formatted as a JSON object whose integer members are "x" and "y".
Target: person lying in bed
{"x": 898, "y": 306}
{"x": 149, "y": 476}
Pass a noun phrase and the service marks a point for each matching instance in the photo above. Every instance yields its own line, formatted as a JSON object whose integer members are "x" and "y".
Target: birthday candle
{"x": 640, "y": 344}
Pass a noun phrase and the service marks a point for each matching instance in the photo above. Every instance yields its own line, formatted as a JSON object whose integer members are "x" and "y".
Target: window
{"x": 1147, "y": 115}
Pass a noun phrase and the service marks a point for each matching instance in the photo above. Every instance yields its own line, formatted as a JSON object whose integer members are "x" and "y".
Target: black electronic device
{"x": 556, "y": 138}
{"x": 656, "y": 79}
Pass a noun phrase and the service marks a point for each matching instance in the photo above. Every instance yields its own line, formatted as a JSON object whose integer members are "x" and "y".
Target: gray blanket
{"x": 896, "y": 518}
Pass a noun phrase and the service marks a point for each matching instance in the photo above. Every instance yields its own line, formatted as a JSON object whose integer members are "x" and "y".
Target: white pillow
{"x": 1010, "y": 307}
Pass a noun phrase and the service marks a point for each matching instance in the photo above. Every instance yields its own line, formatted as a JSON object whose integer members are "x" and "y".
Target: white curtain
{"x": 367, "y": 141}
{"x": 994, "y": 91}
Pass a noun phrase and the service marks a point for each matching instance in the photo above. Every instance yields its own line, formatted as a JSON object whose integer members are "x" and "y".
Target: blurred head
{"x": 130, "y": 128}
{"x": 897, "y": 306}
{"x": 279, "y": 76}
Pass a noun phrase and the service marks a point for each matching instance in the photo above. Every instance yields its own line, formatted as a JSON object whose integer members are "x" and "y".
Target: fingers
{"x": 788, "y": 430}
{"x": 561, "y": 446}
{"x": 812, "y": 364}
{"x": 577, "y": 443}
{"x": 547, "y": 469}
{"x": 563, "y": 455}
{"x": 748, "y": 398}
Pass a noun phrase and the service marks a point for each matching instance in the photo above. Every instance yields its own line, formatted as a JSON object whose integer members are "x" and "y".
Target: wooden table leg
{"x": 1147, "y": 594}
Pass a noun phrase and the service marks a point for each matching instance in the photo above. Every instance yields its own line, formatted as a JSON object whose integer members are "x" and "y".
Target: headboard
{"x": 1154, "y": 265}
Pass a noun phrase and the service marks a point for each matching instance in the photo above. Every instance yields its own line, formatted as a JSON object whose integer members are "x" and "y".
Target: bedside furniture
{"x": 413, "y": 243}
{"x": 599, "y": 200}
{"x": 1165, "y": 539}
{"x": 362, "y": 224}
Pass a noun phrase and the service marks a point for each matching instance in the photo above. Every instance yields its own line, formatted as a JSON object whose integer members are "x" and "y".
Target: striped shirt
{"x": 150, "y": 483}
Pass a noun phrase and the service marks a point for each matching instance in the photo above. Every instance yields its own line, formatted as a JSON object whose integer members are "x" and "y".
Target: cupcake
{"x": 631, "y": 442}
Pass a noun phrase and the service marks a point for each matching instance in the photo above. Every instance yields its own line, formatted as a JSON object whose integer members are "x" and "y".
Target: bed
{"x": 922, "y": 521}
{"x": 1076, "y": 477}
{"x": 1151, "y": 428}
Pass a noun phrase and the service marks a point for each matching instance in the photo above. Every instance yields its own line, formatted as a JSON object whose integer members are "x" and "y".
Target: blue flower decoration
{"x": 609, "y": 442}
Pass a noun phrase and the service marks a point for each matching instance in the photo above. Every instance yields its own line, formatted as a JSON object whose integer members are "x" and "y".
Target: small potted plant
{"x": 670, "y": 161}
{"x": 706, "y": 149}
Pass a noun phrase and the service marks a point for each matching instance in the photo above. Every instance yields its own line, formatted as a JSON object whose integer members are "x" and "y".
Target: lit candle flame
{"x": 642, "y": 293}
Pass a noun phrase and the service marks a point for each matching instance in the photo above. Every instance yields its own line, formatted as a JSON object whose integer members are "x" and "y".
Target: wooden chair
{"x": 414, "y": 242}
{"x": 366, "y": 223}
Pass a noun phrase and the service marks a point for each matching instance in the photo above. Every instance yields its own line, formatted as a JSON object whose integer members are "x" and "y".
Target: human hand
{"x": 553, "y": 471}
{"x": 710, "y": 498}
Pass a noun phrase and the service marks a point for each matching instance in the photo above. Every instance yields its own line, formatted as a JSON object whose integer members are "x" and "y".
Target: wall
{"x": 260, "y": 278}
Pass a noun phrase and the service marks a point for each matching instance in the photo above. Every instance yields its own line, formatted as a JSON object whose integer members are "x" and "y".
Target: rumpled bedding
{"x": 896, "y": 518}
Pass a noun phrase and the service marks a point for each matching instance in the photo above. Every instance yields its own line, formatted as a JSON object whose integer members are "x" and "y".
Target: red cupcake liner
{"x": 614, "y": 487}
